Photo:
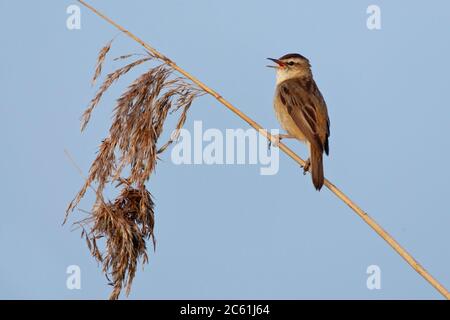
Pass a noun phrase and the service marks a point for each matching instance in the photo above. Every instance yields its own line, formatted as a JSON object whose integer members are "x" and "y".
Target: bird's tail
{"x": 317, "y": 168}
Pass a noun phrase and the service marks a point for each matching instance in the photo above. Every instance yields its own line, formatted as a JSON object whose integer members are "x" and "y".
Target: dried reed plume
{"x": 100, "y": 60}
{"x": 103, "y": 167}
{"x": 138, "y": 122}
{"x": 126, "y": 224}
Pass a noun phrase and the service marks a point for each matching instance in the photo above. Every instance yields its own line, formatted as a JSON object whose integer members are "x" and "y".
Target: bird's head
{"x": 292, "y": 65}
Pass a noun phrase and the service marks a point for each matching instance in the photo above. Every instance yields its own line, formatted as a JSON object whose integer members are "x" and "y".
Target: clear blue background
{"x": 225, "y": 231}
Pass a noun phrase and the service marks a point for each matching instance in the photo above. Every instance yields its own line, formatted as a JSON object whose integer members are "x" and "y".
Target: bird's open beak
{"x": 279, "y": 63}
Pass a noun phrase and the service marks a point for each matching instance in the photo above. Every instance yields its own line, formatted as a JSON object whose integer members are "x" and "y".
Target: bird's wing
{"x": 306, "y": 106}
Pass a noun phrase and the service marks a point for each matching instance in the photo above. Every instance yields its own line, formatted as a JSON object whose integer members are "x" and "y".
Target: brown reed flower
{"x": 100, "y": 59}
{"x": 126, "y": 224}
{"x": 138, "y": 122}
{"x": 204, "y": 89}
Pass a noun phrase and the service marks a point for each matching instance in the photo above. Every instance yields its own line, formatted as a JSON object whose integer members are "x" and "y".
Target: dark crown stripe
{"x": 293, "y": 55}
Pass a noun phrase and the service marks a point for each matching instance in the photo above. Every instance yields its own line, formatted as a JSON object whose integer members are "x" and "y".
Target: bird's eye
{"x": 291, "y": 63}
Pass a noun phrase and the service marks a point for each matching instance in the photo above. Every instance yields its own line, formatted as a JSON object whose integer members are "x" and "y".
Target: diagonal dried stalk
{"x": 370, "y": 221}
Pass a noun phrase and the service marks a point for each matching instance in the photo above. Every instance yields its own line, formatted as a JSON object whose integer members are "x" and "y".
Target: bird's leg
{"x": 276, "y": 139}
{"x": 306, "y": 166}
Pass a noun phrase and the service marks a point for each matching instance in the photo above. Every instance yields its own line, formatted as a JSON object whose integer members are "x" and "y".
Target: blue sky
{"x": 225, "y": 231}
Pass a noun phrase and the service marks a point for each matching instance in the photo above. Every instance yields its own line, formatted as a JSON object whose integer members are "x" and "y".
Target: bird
{"x": 301, "y": 110}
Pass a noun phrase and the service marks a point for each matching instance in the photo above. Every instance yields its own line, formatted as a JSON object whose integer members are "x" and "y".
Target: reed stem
{"x": 370, "y": 221}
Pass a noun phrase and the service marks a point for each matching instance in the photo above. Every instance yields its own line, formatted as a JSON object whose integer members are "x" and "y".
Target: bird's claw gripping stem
{"x": 306, "y": 166}
{"x": 275, "y": 139}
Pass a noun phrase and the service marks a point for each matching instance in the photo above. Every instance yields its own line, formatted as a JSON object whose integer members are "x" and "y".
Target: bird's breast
{"x": 285, "y": 119}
